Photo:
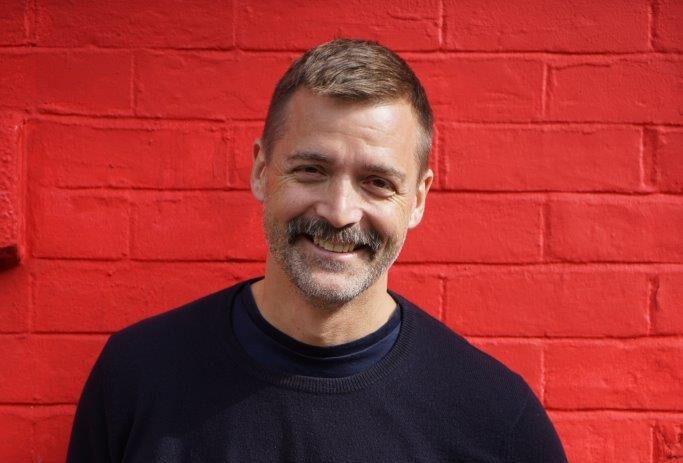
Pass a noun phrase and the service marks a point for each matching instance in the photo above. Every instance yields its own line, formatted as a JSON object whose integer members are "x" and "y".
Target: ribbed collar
{"x": 275, "y": 350}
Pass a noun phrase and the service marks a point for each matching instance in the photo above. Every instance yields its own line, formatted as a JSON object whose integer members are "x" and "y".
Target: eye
{"x": 381, "y": 186}
{"x": 308, "y": 172}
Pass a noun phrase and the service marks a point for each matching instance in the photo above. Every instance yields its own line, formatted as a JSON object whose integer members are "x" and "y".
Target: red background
{"x": 553, "y": 237}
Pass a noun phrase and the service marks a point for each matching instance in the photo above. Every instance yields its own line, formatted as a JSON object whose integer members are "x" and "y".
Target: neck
{"x": 283, "y": 306}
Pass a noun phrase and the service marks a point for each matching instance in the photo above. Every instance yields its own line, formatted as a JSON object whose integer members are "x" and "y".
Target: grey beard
{"x": 297, "y": 265}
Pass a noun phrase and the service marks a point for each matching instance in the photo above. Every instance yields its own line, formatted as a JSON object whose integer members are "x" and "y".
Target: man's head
{"x": 342, "y": 178}
{"x": 352, "y": 71}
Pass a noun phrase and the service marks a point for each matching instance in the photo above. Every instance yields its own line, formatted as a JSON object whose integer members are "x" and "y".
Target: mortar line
{"x": 31, "y": 302}
{"x": 23, "y": 245}
{"x": 521, "y": 340}
{"x": 642, "y": 170}
{"x": 33, "y": 22}
{"x": 606, "y": 265}
{"x": 544, "y": 90}
{"x": 652, "y": 23}
{"x": 652, "y": 303}
{"x": 543, "y": 375}
{"x": 133, "y": 84}
{"x": 652, "y": 442}
{"x": 547, "y": 92}
{"x": 614, "y": 412}
{"x": 51, "y": 113}
{"x": 650, "y": 145}
{"x": 593, "y": 339}
{"x": 442, "y": 24}
{"x": 443, "y": 300}
{"x": 235, "y": 22}
{"x": 619, "y": 411}
{"x": 544, "y": 226}
{"x": 131, "y": 228}
{"x": 410, "y": 53}
{"x": 517, "y": 195}
{"x": 34, "y": 433}
{"x": 442, "y": 160}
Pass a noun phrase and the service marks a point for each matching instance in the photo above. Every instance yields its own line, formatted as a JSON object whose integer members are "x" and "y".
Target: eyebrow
{"x": 374, "y": 168}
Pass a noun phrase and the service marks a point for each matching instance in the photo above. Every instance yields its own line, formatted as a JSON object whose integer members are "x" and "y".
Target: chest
{"x": 268, "y": 426}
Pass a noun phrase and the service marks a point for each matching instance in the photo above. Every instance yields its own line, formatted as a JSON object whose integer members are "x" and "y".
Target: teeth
{"x": 330, "y": 246}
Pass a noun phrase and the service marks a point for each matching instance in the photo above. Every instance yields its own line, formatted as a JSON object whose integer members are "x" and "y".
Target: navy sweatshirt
{"x": 178, "y": 387}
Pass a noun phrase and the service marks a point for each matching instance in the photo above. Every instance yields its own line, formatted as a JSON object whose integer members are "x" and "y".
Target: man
{"x": 317, "y": 361}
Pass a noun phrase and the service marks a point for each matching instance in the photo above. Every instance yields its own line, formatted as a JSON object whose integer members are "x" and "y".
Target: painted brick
{"x": 52, "y": 431}
{"x": 482, "y": 89}
{"x": 15, "y": 369}
{"x": 84, "y": 156}
{"x": 216, "y": 86}
{"x": 16, "y": 429}
{"x": 173, "y": 24}
{"x": 11, "y": 131}
{"x": 466, "y": 228}
{"x": 523, "y": 358}
{"x": 12, "y": 23}
{"x": 626, "y": 90}
{"x": 46, "y": 369}
{"x": 542, "y": 158}
{"x": 67, "y": 81}
{"x": 579, "y": 26}
{"x": 668, "y": 34}
{"x": 667, "y": 318}
{"x": 96, "y": 297}
{"x": 243, "y": 136}
{"x": 420, "y": 286}
{"x": 213, "y": 226}
{"x": 668, "y": 441}
{"x": 616, "y": 229}
{"x": 598, "y": 438}
{"x": 641, "y": 376}
{"x": 532, "y": 302}
{"x": 14, "y": 300}
{"x": 400, "y": 25}
{"x": 9, "y": 229}
{"x": 616, "y": 375}
{"x": 78, "y": 224}
{"x": 667, "y": 152}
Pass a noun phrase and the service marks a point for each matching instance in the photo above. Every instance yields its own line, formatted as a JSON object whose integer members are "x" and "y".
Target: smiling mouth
{"x": 331, "y": 246}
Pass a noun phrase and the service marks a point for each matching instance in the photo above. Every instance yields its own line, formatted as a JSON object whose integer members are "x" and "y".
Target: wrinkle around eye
{"x": 307, "y": 172}
{"x": 381, "y": 187}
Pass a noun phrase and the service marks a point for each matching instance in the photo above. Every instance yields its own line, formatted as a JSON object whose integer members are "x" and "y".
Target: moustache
{"x": 321, "y": 229}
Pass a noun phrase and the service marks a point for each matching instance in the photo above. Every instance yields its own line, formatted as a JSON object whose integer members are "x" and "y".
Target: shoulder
{"x": 172, "y": 334}
{"x": 467, "y": 376}
{"x": 450, "y": 350}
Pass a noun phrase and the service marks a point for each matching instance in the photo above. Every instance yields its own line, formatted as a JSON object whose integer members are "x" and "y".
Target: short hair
{"x": 354, "y": 71}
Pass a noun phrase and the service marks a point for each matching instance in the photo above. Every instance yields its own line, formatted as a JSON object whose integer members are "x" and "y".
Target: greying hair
{"x": 354, "y": 71}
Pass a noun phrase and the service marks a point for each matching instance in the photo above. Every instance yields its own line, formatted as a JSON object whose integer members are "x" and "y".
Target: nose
{"x": 340, "y": 205}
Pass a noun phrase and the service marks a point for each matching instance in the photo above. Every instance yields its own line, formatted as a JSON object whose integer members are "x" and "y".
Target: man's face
{"x": 340, "y": 191}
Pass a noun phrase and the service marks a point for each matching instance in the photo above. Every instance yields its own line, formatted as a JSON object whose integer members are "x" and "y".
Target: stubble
{"x": 377, "y": 254}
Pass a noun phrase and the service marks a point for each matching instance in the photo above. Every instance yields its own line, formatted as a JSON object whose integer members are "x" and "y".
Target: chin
{"x": 330, "y": 290}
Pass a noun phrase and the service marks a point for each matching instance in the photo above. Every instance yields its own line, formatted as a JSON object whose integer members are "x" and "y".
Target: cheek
{"x": 287, "y": 202}
{"x": 389, "y": 221}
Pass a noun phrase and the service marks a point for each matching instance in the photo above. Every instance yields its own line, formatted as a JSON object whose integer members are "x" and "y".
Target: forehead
{"x": 385, "y": 129}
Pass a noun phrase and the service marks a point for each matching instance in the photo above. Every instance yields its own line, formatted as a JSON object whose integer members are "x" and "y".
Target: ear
{"x": 421, "y": 198}
{"x": 258, "y": 170}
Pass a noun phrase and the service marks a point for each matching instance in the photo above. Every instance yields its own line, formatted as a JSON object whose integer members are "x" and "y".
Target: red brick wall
{"x": 553, "y": 238}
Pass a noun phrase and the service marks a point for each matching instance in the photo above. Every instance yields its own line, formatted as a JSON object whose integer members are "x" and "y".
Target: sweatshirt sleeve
{"x": 533, "y": 438}
{"x": 89, "y": 438}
